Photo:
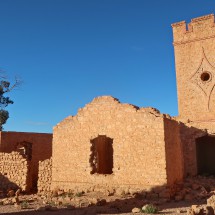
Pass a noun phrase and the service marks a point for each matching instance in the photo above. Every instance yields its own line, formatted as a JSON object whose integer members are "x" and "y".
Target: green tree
{"x": 6, "y": 87}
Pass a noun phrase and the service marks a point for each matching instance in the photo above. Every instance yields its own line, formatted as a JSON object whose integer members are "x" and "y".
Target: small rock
{"x": 211, "y": 201}
{"x": 180, "y": 211}
{"x": 135, "y": 210}
{"x": 209, "y": 210}
{"x": 41, "y": 208}
{"x": 17, "y": 193}
{"x": 94, "y": 201}
{"x": 17, "y": 206}
{"x": 197, "y": 210}
{"x": 190, "y": 212}
{"x": 10, "y": 193}
{"x": 6, "y": 201}
{"x": 15, "y": 200}
{"x": 110, "y": 192}
{"x": 60, "y": 192}
{"x": 84, "y": 204}
{"x": 101, "y": 202}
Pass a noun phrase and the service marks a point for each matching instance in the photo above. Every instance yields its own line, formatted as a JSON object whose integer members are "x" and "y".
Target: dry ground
{"x": 196, "y": 191}
{"x": 113, "y": 205}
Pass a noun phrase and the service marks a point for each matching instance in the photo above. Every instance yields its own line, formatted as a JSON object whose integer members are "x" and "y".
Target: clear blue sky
{"x": 69, "y": 51}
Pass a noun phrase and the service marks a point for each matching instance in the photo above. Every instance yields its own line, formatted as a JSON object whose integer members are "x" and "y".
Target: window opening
{"x": 101, "y": 158}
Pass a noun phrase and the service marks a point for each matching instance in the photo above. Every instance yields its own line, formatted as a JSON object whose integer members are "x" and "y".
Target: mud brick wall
{"x": 45, "y": 175}
{"x": 174, "y": 151}
{"x": 14, "y": 171}
{"x": 41, "y": 147}
{"x": 138, "y": 147}
{"x": 195, "y": 67}
{"x": 190, "y": 133}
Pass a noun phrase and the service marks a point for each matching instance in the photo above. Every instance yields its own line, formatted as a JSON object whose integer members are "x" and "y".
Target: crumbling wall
{"x": 137, "y": 136}
{"x": 14, "y": 171}
{"x": 41, "y": 148}
{"x": 44, "y": 175}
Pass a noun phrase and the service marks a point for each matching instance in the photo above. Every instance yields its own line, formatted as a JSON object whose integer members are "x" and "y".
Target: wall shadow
{"x": 5, "y": 185}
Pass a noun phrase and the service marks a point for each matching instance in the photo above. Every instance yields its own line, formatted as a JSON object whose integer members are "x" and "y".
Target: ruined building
{"x": 113, "y": 145}
{"x": 20, "y": 154}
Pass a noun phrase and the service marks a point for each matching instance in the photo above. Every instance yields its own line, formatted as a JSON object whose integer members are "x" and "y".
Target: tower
{"x": 194, "y": 47}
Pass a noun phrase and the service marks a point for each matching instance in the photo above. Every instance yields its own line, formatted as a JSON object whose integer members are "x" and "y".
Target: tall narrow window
{"x": 101, "y": 158}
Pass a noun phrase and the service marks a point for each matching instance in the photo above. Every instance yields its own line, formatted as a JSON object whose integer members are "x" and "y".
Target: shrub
{"x": 70, "y": 194}
{"x": 51, "y": 203}
{"x": 150, "y": 209}
{"x": 79, "y": 194}
{"x": 24, "y": 204}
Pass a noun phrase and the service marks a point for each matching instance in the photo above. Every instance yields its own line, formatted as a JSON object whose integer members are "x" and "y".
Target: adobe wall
{"x": 190, "y": 132}
{"x": 44, "y": 176}
{"x": 138, "y": 146}
{"x": 41, "y": 147}
{"x": 14, "y": 171}
{"x": 174, "y": 151}
{"x": 195, "y": 68}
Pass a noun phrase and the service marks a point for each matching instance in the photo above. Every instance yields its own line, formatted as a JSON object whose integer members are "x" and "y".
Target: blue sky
{"x": 69, "y": 51}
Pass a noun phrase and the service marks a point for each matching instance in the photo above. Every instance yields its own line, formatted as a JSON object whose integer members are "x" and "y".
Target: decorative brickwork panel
{"x": 14, "y": 171}
{"x": 44, "y": 176}
{"x": 195, "y": 68}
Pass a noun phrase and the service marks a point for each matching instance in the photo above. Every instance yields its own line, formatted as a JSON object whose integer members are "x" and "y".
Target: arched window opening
{"x": 101, "y": 158}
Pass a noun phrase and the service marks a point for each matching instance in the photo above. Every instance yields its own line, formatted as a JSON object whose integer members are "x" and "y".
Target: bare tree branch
{"x": 18, "y": 82}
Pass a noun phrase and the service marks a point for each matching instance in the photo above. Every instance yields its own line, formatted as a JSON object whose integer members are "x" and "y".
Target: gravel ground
{"x": 169, "y": 208}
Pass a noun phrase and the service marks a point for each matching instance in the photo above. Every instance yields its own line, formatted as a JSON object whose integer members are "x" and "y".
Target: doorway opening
{"x": 205, "y": 153}
{"x": 25, "y": 149}
{"x": 101, "y": 158}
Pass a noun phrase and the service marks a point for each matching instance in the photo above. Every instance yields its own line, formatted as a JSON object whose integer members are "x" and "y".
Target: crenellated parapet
{"x": 198, "y": 29}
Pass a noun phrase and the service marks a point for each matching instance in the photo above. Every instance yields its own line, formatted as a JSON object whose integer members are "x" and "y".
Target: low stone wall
{"x": 45, "y": 175}
{"x": 14, "y": 171}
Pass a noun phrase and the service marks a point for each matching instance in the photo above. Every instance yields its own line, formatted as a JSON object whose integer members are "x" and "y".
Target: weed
{"x": 66, "y": 204}
{"x": 70, "y": 194}
{"x": 63, "y": 195}
{"x": 51, "y": 203}
{"x": 149, "y": 209}
{"x": 79, "y": 194}
{"x": 24, "y": 204}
